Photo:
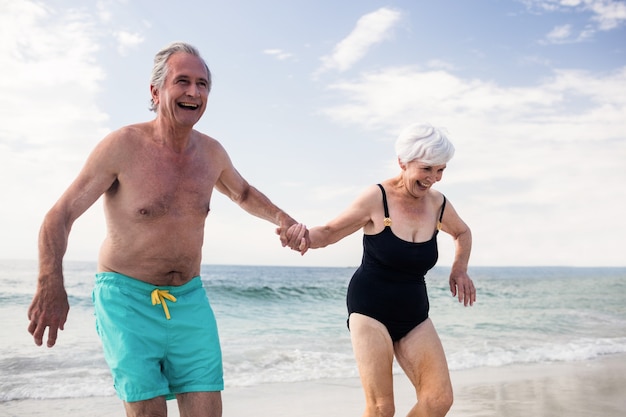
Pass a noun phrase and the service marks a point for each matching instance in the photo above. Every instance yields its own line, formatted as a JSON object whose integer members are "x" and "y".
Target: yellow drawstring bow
{"x": 159, "y": 296}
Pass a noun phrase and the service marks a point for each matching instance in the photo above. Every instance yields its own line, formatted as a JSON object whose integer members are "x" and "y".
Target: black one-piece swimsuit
{"x": 389, "y": 285}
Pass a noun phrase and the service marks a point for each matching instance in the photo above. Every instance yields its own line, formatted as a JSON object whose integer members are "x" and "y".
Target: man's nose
{"x": 193, "y": 90}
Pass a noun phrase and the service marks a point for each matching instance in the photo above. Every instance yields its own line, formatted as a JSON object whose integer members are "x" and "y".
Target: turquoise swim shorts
{"x": 158, "y": 341}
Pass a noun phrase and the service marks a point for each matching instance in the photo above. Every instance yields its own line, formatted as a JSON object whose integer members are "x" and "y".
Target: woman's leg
{"x": 421, "y": 356}
{"x": 373, "y": 350}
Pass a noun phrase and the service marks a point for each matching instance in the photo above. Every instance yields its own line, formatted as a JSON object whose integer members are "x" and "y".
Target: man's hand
{"x": 49, "y": 309}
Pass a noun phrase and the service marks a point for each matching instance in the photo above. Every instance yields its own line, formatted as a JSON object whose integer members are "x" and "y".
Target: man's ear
{"x": 154, "y": 93}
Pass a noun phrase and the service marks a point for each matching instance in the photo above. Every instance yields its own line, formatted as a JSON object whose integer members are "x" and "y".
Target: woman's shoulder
{"x": 436, "y": 194}
{"x": 373, "y": 191}
{"x": 437, "y": 198}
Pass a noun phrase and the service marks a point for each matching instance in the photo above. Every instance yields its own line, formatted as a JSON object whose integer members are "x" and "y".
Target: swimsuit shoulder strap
{"x": 443, "y": 207}
{"x": 387, "y": 220}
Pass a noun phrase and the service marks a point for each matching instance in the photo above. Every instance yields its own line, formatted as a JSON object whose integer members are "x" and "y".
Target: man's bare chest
{"x": 156, "y": 189}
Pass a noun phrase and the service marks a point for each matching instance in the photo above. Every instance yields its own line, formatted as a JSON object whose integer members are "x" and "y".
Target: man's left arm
{"x": 235, "y": 187}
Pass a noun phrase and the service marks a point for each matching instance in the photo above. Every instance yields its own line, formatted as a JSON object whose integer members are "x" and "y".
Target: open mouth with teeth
{"x": 423, "y": 185}
{"x": 188, "y": 106}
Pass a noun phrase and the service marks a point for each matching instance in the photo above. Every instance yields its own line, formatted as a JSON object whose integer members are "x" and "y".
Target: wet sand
{"x": 575, "y": 389}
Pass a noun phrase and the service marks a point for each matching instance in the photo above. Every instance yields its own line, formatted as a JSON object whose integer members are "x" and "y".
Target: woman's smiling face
{"x": 418, "y": 177}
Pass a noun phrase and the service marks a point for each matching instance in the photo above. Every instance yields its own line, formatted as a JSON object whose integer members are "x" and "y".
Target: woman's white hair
{"x": 424, "y": 143}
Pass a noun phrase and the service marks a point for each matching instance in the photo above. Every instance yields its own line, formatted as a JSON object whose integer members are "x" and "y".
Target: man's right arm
{"x": 50, "y": 306}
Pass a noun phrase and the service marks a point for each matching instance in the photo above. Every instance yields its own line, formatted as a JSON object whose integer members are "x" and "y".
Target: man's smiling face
{"x": 184, "y": 94}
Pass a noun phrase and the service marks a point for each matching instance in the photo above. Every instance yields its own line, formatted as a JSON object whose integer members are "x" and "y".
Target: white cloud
{"x": 278, "y": 54}
{"x": 370, "y": 30}
{"x": 127, "y": 41}
{"x": 607, "y": 14}
{"x": 382, "y": 99}
{"x": 560, "y": 33}
{"x": 564, "y": 34}
{"x": 103, "y": 9}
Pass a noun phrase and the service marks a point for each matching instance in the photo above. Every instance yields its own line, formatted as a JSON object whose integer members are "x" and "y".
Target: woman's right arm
{"x": 357, "y": 215}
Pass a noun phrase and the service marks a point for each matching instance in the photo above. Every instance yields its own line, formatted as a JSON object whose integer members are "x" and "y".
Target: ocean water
{"x": 284, "y": 324}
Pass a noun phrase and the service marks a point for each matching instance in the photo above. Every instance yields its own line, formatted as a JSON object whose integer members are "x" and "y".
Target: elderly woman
{"x": 387, "y": 299}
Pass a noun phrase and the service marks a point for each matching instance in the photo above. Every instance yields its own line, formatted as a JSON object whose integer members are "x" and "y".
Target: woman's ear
{"x": 402, "y": 165}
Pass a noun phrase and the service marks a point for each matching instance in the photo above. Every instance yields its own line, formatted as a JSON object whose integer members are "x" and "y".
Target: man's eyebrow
{"x": 188, "y": 77}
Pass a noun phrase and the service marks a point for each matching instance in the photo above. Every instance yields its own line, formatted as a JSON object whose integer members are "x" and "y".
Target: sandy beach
{"x": 594, "y": 388}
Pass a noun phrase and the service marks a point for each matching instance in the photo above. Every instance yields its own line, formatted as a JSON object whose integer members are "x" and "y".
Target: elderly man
{"x": 156, "y": 324}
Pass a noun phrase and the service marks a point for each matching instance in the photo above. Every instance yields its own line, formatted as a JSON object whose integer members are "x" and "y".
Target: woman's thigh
{"x": 373, "y": 351}
{"x": 421, "y": 356}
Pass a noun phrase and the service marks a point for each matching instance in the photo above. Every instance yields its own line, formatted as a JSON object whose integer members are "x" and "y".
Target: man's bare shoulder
{"x": 137, "y": 131}
{"x": 209, "y": 144}
{"x": 206, "y": 140}
{"x": 126, "y": 139}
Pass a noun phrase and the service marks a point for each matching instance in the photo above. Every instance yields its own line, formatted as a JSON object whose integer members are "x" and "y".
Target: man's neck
{"x": 177, "y": 138}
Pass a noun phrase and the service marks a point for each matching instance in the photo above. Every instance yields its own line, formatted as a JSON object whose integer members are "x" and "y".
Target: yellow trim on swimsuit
{"x": 158, "y": 297}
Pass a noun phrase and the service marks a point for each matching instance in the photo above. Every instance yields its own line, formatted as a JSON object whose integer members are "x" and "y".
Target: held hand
{"x": 296, "y": 237}
{"x": 462, "y": 287}
{"x": 283, "y": 232}
{"x": 301, "y": 238}
{"x": 48, "y": 309}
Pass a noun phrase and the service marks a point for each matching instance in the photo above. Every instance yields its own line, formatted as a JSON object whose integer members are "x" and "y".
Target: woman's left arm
{"x": 461, "y": 284}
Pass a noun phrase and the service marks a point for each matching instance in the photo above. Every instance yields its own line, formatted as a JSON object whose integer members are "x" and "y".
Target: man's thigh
{"x": 154, "y": 407}
{"x": 200, "y": 404}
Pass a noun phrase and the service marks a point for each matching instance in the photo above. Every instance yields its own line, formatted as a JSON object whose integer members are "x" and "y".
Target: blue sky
{"x": 308, "y": 98}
